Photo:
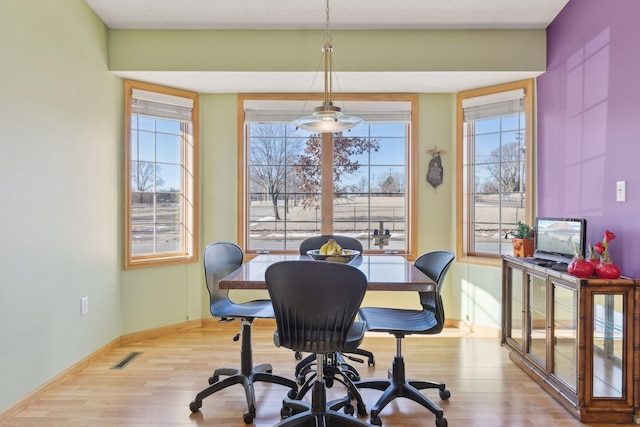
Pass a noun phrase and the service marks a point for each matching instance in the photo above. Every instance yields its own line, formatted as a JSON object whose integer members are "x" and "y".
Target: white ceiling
{"x": 310, "y": 14}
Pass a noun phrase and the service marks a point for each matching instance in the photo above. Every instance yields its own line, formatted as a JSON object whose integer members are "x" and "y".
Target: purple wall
{"x": 589, "y": 123}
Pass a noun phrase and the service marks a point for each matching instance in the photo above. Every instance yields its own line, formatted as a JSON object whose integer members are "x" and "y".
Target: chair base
{"x": 334, "y": 369}
{"x": 371, "y": 360}
{"x": 318, "y": 413}
{"x": 398, "y": 386}
{"x": 304, "y": 367}
{"x": 328, "y": 419}
{"x": 246, "y": 376}
{"x": 259, "y": 373}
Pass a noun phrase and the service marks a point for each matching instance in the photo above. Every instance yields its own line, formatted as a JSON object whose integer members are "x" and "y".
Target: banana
{"x": 331, "y": 248}
{"x": 324, "y": 249}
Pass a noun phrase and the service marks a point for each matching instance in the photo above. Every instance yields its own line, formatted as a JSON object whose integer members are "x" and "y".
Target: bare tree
{"x": 144, "y": 176}
{"x": 343, "y": 149}
{"x": 393, "y": 183}
{"x": 270, "y": 153}
{"x": 506, "y": 169}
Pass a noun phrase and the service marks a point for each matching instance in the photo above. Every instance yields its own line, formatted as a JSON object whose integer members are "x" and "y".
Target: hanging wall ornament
{"x": 435, "y": 171}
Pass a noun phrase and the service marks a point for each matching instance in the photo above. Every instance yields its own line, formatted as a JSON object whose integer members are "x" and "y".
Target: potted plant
{"x": 523, "y": 240}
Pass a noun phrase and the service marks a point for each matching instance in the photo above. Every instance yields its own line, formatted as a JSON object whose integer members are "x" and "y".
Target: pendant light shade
{"x": 327, "y": 118}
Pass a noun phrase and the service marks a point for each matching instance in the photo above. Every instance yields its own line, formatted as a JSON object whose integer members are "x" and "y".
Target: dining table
{"x": 383, "y": 272}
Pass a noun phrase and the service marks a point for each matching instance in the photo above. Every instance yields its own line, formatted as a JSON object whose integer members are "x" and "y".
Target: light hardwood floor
{"x": 155, "y": 389}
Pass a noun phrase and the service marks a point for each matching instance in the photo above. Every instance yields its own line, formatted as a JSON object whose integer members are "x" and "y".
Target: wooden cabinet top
{"x": 530, "y": 265}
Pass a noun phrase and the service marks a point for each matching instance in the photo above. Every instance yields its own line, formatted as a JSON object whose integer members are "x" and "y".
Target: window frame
{"x": 189, "y": 190}
{"x": 464, "y": 221}
{"x": 327, "y": 205}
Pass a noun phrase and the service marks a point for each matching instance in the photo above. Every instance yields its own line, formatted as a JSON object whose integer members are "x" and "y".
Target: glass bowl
{"x": 347, "y": 256}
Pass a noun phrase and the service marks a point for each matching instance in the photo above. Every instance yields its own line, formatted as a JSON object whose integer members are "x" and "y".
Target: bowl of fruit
{"x": 331, "y": 251}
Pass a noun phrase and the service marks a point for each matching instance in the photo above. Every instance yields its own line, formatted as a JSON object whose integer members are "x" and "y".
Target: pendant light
{"x": 327, "y": 118}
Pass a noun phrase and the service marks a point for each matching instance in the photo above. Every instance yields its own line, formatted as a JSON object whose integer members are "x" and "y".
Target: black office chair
{"x": 220, "y": 259}
{"x": 401, "y": 322}
{"x": 345, "y": 242}
{"x": 315, "y": 304}
{"x": 336, "y": 367}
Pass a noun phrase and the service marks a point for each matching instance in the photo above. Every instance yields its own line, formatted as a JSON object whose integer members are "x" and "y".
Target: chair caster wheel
{"x": 353, "y": 377}
{"x": 445, "y": 394}
{"x": 247, "y": 418}
{"x": 285, "y": 412}
{"x": 298, "y": 355}
{"x": 371, "y": 362}
{"x": 213, "y": 379}
{"x": 362, "y": 410}
{"x": 300, "y": 380}
{"x": 376, "y": 421}
{"x": 441, "y": 422}
{"x": 195, "y": 406}
{"x": 348, "y": 409}
{"x": 292, "y": 394}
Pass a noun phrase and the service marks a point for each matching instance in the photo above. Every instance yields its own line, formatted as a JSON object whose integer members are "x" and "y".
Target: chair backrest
{"x": 316, "y": 242}
{"x": 435, "y": 265}
{"x": 220, "y": 259}
{"x": 315, "y": 303}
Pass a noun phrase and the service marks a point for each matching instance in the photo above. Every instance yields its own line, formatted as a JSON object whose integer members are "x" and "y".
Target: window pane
{"x": 388, "y": 129}
{"x": 155, "y": 223}
{"x": 168, "y": 177}
{"x": 143, "y": 123}
{"x": 143, "y": 176}
{"x": 168, "y": 148}
{"x": 487, "y": 126}
{"x": 373, "y": 205}
{"x": 284, "y": 178}
{"x": 495, "y": 160}
{"x": 512, "y": 122}
{"x": 349, "y": 182}
{"x": 161, "y": 216}
{"x": 146, "y": 146}
{"x": 391, "y": 152}
{"x": 487, "y": 178}
{"x": 168, "y": 126}
{"x": 487, "y": 147}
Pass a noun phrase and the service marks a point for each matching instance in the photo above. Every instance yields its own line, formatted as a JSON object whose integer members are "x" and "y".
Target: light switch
{"x": 621, "y": 191}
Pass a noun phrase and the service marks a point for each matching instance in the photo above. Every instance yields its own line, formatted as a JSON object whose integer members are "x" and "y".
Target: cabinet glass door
{"x": 608, "y": 340}
{"x": 565, "y": 329}
{"x": 538, "y": 318}
{"x": 516, "y": 321}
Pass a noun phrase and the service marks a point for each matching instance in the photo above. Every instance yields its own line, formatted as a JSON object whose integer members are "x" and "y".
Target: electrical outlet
{"x": 84, "y": 306}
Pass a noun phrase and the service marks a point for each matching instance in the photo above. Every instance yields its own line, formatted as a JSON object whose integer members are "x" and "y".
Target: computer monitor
{"x": 558, "y": 239}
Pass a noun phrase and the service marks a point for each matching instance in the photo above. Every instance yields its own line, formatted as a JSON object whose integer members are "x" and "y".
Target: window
{"x": 495, "y": 160}
{"x": 161, "y": 180}
{"x": 357, "y": 183}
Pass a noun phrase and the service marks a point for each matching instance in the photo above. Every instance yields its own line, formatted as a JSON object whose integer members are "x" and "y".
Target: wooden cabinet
{"x": 578, "y": 338}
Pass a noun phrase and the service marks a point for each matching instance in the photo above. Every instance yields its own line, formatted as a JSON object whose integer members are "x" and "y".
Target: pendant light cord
{"x": 327, "y": 50}
{"x": 327, "y": 37}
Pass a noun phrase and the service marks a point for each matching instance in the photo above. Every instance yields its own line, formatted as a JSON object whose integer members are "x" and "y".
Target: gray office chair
{"x": 315, "y": 304}
{"x": 401, "y": 322}
{"x": 220, "y": 259}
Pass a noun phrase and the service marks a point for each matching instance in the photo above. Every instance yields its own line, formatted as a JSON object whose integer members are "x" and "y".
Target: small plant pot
{"x": 522, "y": 248}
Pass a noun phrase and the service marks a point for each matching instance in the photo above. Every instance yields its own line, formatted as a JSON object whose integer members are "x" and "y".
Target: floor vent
{"x": 124, "y": 362}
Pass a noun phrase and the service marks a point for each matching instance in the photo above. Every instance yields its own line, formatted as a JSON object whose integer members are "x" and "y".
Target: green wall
{"x": 60, "y": 118}
{"x": 374, "y": 51}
